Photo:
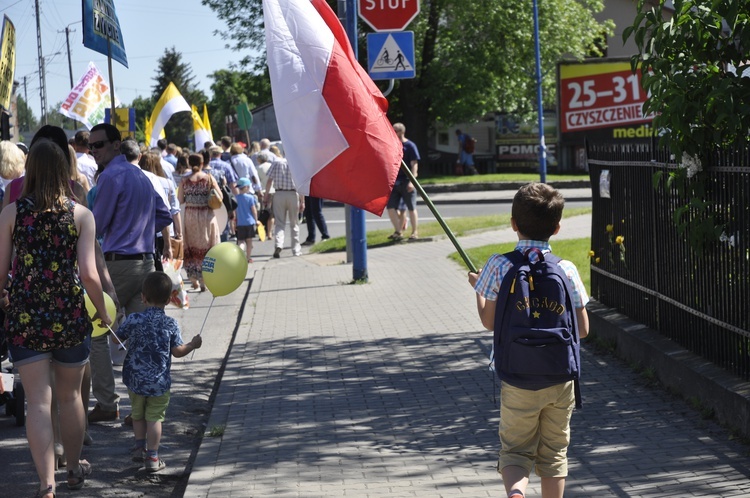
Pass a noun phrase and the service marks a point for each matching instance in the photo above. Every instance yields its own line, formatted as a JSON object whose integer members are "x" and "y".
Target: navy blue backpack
{"x": 536, "y": 342}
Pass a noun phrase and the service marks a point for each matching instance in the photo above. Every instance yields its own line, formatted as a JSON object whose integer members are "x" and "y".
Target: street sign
{"x": 388, "y": 15}
{"x": 391, "y": 55}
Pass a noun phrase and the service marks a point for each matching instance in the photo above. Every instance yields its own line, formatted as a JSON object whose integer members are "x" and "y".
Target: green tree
{"x": 232, "y": 87}
{"x": 26, "y": 119}
{"x": 472, "y": 57}
{"x": 693, "y": 63}
{"x": 143, "y": 107}
{"x": 171, "y": 68}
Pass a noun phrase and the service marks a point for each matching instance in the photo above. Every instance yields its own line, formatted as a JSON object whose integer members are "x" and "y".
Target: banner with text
{"x": 89, "y": 98}
{"x": 598, "y": 95}
{"x": 7, "y": 62}
{"x": 101, "y": 28}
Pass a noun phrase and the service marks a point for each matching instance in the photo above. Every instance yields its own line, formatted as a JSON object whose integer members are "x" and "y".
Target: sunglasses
{"x": 98, "y": 145}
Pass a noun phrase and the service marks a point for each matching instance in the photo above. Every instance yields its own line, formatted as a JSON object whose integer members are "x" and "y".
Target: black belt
{"x": 110, "y": 256}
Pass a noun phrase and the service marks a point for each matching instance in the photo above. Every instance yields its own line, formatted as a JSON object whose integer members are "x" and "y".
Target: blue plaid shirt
{"x": 488, "y": 284}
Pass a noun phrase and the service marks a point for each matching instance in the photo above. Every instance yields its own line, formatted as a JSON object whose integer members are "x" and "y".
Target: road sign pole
{"x": 540, "y": 105}
{"x": 358, "y": 235}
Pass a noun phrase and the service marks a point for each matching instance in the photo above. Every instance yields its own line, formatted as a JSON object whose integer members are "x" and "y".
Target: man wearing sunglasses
{"x": 128, "y": 213}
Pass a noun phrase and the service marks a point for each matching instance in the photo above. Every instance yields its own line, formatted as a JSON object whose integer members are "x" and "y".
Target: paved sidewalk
{"x": 382, "y": 389}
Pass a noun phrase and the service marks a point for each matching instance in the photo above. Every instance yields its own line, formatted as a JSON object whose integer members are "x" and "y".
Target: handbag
{"x": 229, "y": 201}
{"x": 214, "y": 199}
{"x": 178, "y": 249}
{"x": 263, "y": 216}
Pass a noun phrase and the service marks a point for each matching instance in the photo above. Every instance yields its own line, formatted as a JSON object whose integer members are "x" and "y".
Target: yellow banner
{"x": 7, "y": 62}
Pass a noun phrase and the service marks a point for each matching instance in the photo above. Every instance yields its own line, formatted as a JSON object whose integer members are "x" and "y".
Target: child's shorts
{"x": 535, "y": 428}
{"x": 151, "y": 408}
{"x": 245, "y": 232}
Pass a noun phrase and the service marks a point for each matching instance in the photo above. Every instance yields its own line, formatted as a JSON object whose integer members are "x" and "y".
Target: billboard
{"x": 601, "y": 99}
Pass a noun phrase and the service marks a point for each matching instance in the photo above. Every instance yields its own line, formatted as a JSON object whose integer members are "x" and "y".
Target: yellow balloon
{"x": 224, "y": 268}
{"x": 111, "y": 311}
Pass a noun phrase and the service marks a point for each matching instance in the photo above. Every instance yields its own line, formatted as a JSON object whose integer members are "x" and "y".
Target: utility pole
{"x": 26, "y": 103}
{"x": 67, "y": 44}
{"x": 42, "y": 78}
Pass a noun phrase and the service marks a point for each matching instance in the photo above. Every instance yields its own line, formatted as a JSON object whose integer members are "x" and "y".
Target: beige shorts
{"x": 535, "y": 428}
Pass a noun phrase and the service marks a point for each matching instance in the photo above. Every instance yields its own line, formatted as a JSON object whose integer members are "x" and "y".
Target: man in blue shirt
{"x": 403, "y": 188}
{"x": 128, "y": 213}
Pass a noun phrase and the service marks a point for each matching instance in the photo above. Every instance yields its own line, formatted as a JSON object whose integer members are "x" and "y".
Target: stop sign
{"x": 388, "y": 15}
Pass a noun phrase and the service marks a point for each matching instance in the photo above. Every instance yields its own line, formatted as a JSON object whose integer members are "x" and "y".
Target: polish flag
{"x": 338, "y": 141}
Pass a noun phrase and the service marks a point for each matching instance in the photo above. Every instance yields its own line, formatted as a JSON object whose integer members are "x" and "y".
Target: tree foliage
{"x": 472, "y": 57}
{"x": 26, "y": 119}
{"x": 232, "y": 87}
{"x": 692, "y": 63}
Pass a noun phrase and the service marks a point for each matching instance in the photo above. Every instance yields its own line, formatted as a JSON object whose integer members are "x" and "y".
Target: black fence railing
{"x": 654, "y": 276}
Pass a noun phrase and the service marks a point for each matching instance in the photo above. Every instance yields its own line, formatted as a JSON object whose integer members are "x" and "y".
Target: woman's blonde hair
{"x": 47, "y": 178}
{"x": 12, "y": 160}
{"x": 275, "y": 150}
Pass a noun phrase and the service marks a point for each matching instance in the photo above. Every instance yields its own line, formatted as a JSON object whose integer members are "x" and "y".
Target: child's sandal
{"x": 76, "y": 479}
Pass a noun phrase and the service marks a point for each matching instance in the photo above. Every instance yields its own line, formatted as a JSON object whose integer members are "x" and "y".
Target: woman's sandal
{"x": 395, "y": 236}
{"x": 76, "y": 479}
{"x": 46, "y": 492}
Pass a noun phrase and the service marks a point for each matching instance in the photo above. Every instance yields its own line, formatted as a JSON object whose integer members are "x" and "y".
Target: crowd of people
{"x": 98, "y": 214}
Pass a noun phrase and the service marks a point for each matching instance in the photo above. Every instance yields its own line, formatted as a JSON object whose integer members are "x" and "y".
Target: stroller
{"x": 14, "y": 397}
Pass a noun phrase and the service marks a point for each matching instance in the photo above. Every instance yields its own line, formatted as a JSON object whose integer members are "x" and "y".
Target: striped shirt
{"x": 281, "y": 175}
{"x": 488, "y": 284}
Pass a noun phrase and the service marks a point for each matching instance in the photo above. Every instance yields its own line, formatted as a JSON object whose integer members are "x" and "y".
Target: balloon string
{"x": 204, "y": 321}
{"x": 117, "y": 338}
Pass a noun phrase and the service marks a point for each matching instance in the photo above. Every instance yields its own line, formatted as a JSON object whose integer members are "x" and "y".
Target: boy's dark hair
{"x": 537, "y": 210}
{"x": 157, "y": 288}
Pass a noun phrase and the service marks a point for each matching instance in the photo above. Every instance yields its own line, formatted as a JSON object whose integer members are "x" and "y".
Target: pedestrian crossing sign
{"x": 391, "y": 55}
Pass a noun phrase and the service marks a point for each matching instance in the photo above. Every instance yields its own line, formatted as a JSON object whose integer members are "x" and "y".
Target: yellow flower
{"x": 598, "y": 260}
{"x": 28, "y": 259}
{"x": 76, "y": 290}
{"x": 24, "y": 318}
{"x": 54, "y": 266}
{"x": 619, "y": 240}
{"x": 57, "y": 328}
{"x": 591, "y": 254}
{"x": 610, "y": 228}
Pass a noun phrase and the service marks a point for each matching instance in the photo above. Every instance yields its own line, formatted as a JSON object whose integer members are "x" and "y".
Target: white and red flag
{"x": 331, "y": 116}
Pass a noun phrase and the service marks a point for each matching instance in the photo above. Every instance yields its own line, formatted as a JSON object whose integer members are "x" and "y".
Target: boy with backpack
{"x": 534, "y": 302}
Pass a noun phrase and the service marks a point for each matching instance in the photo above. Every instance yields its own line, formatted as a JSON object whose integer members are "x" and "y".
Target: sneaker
{"x": 277, "y": 253}
{"x": 154, "y": 464}
{"x": 308, "y": 243}
{"x": 325, "y": 237}
{"x": 99, "y": 415}
{"x": 138, "y": 454}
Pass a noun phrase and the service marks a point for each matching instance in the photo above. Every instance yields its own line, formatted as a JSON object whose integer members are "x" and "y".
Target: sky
{"x": 148, "y": 28}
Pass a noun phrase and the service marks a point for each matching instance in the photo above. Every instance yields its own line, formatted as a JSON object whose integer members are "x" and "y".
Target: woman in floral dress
{"x": 46, "y": 318}
{"x": 201, "y": 231}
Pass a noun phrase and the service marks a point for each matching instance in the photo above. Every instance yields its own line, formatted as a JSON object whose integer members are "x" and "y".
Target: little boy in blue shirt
{"x": 534, "y": 424}
{"x": 247, "y": 214}
{"x": 153, "y": 338}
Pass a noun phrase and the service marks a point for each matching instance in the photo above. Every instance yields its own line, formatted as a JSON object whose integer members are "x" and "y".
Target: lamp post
{"x": 540, "y": 105}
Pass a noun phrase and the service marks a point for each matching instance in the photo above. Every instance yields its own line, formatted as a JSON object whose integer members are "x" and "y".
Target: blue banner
{"x": 100, "y": 25}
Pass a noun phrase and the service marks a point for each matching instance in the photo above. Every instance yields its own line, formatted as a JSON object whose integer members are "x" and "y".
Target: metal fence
{"x": 700, "y": 301}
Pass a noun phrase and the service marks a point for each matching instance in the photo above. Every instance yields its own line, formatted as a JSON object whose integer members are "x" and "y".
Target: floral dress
{"x": 201, "y": 228}
{"x": 47, "y": 310}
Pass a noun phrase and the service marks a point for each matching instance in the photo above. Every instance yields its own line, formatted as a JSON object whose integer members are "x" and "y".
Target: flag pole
{"x": 439, "y": 218}
{"x": 113, "y": 115}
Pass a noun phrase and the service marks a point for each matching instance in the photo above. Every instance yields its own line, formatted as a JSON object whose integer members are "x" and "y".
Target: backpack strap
{"x": 569, "y": 291}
